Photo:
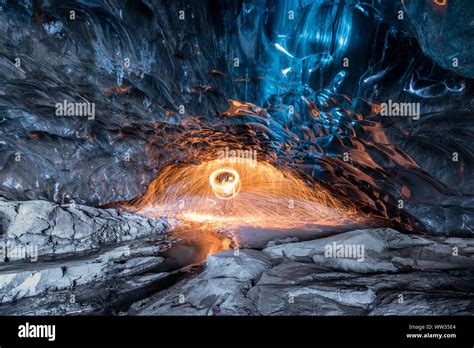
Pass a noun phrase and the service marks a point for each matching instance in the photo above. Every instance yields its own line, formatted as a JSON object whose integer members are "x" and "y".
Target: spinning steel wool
{"x": 241, "y": 193}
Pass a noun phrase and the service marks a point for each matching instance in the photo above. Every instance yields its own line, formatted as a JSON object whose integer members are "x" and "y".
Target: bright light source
{"x": 225, "y": 183}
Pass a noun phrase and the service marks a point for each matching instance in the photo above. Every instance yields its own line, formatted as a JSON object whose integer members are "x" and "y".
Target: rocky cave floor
{"x": 105, "y": 262}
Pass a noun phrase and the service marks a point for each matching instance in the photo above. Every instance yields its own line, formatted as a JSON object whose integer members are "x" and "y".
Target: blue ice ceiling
{"x": 320, "y": 68}
{"x": 349, "y": 47}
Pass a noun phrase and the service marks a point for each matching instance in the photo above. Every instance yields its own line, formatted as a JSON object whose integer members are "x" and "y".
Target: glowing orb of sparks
{"x": 225, "y": 183}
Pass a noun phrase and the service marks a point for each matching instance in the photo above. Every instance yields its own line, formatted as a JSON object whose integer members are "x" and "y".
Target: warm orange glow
{"x": 225, "y": 183}
{"x": 267, "y": 197}
{"x": 441, "y": 2}
{"x": 205, "y": 241}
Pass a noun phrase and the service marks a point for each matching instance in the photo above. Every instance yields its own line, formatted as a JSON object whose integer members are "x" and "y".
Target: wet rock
{"x": 85, "y": 299}
{"x": 310, "y": 300}
{"x": 300, "y": 280}
{"x": 39, "y": 278}
{"x": 200, "y": 296}
{"x": 219, "y": 289}
{"x": 50, "y": 249}
{"x": 398, "y": 275}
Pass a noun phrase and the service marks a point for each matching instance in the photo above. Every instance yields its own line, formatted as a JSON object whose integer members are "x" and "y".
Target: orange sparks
{"x": 227, "y": 194}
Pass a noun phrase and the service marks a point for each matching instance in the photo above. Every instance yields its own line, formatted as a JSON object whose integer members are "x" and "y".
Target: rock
{"x": 397, "y": 275}
{"x": 46, "y": 228}
{"x": 200, "y": 296}
{"x": 58, "y": 276}
{"x": 247, "y": 265}
{"x": 415, "y": 303}
{"x": 302, "y": 300}
{"x": 300, "y": 280}
{"x": 454, "y": 41}
{"x": 350, "y": 265}
{"x": 282, "y": 241}
{"x": 377, "y": 240}
{"x": 85, "y": 299}
{"x": 140, "y": 265}
{"x": 219, "y": 290}
{"x": 51, "y": 248}
{"x": 67, "y": 274}
{"x": 298, "y": 273}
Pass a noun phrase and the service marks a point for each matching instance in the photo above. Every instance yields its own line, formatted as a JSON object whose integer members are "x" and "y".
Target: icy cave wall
{"x": 162, "y": 74}
{"x": 85, "y": 59}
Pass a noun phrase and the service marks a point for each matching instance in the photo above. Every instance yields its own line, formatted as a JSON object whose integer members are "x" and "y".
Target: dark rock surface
{"x": 49, "y": 251}
{"x": 445, "y": 31}
{"x": 56, "y": 229}
{"x": 125, "y": 267}
{"x": 400, "y": 275}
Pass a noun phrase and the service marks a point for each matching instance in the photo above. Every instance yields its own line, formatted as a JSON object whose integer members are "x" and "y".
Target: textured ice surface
{"x": 138, "y": 62}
